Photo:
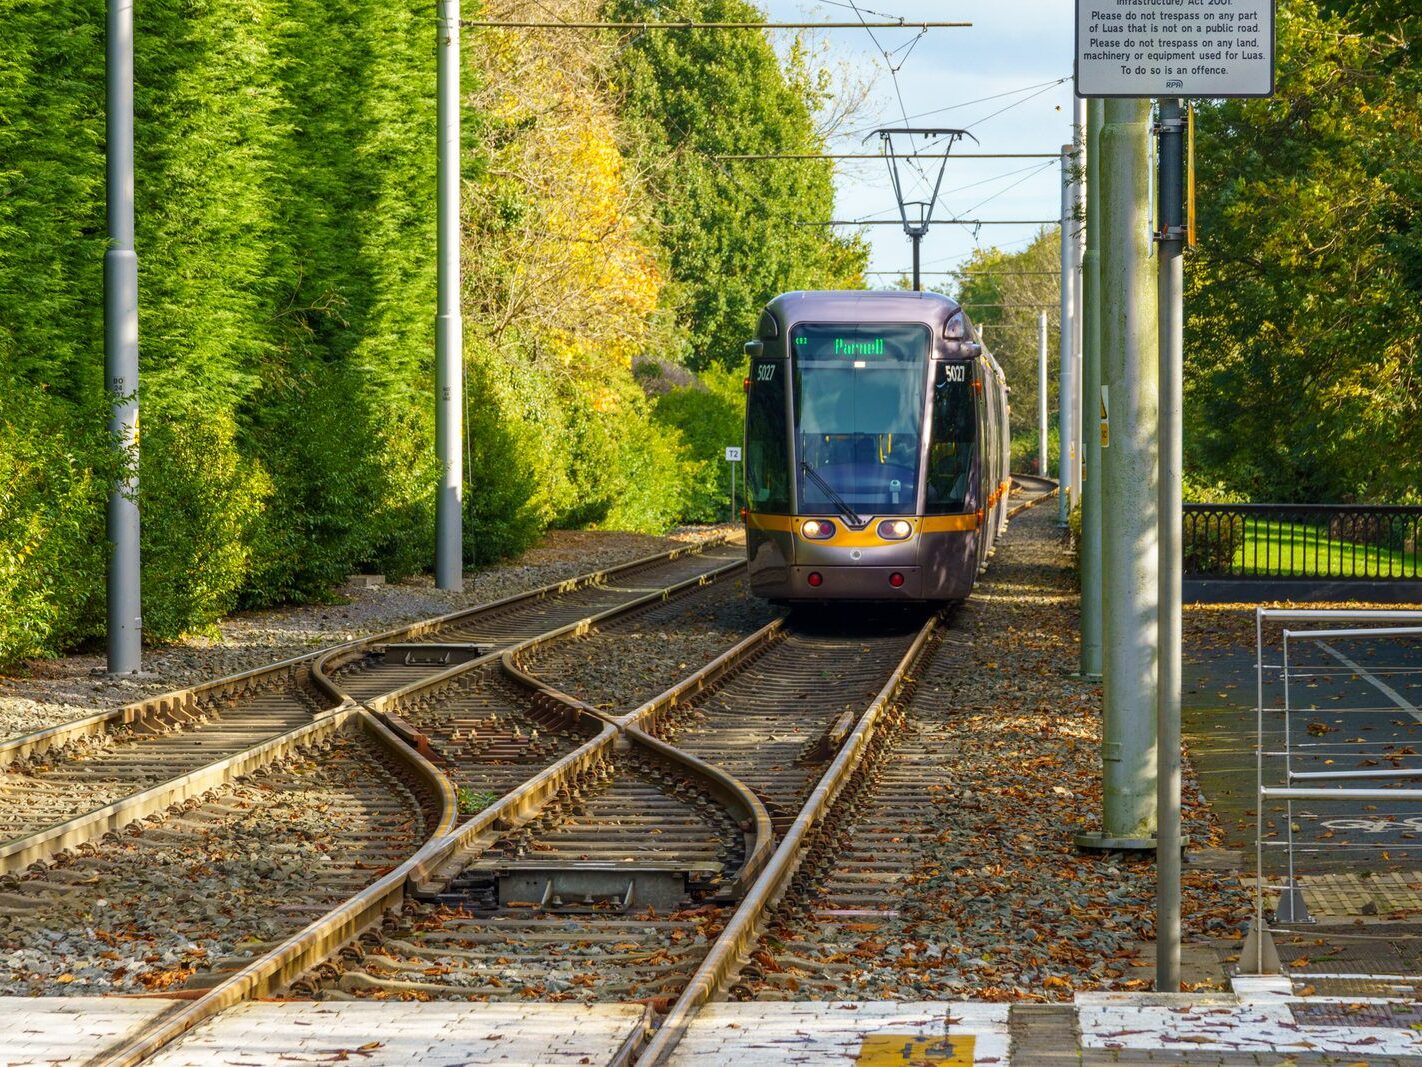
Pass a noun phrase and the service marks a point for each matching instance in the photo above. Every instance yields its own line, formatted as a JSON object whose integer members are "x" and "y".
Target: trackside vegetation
{"x": 1303, "y": 303}
{"x": 284, "y": 203}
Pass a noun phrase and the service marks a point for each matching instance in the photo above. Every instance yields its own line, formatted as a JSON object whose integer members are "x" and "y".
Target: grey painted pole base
{"x": 1259, "y": 954}
{"x": 1097, "y": 841}
{"x": 1129, "y": 476}
{"x": 1292, "y": 907}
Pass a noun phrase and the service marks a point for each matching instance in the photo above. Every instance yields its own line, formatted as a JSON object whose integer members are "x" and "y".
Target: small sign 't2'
{"x": 733, "y": 454}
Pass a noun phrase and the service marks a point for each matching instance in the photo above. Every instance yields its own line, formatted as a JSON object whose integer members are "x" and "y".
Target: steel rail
{"x": 19, "y": 853}
{"x": 727, "y": 955}
{"x": 388, "y": 703}
{"x": 443, "y": 855}
{"x": 733, "y": 794}
{"x": 180, "y": 706}
{"x": 760, "y": 831}
{"x": 744, "y": 926}
{"x": 318, "y": 939}
{"x": 333, "y": 658}
{"x": 167, "y": 710}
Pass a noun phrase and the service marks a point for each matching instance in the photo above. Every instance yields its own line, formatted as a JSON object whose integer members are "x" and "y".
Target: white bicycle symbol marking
{"x": 1373, "y": 826}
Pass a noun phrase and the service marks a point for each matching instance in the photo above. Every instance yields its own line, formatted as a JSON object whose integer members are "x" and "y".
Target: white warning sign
{"x": 1186, "y": 48}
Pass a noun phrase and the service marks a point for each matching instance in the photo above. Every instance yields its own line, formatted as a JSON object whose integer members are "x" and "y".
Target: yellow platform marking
{"x": 897, "y": 1050}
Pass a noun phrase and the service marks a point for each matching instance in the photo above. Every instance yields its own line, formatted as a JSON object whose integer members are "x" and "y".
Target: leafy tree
{"x": 734, "y": 236}
{"x": 1004, "y": 294}
{"x": 1303, "y": 307}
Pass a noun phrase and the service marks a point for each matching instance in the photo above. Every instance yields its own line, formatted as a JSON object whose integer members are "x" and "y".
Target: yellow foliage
{"x": 552, "y": 228}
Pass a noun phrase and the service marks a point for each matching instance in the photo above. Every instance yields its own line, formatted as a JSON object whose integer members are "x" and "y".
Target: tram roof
{"x": 863, "y": 305}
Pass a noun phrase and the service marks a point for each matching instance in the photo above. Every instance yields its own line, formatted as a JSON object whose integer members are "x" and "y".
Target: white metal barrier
{"x": 1307, "y": 768}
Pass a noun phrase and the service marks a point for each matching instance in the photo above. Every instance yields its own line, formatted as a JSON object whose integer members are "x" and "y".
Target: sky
{"x": 1017, "y": 52}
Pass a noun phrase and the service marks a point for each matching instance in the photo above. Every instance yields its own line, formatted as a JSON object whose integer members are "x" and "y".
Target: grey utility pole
{"x": 1090, "y": 554}
{"x": 449, "y": 325}
{"x": 1078, "y": 251}
{"x": 1171, "y": 242}
{"x": 1130, "y": 468}
{"x": 125, "y": 613}
{"x": 1042, "y": 393}
{"x": 1066, "y": 389}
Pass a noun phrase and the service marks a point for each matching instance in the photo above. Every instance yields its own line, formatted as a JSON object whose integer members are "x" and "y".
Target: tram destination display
{"x": 1179, "y": 48}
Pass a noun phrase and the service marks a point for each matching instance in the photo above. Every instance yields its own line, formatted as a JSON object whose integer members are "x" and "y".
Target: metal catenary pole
{"x": 1078, "y": 251}
{"x": 1066, "y": 462}
{"x": 1090, "y": 553}
{"x": 1042, "y": 393}
{"x": 449, "y": 327}
{"x": 125, "y": 616}
{"x": 1171, "y": 239}
{"x": 1129, "y": 371}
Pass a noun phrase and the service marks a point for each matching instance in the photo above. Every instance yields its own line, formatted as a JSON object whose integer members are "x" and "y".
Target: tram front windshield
{"x": 859, "y": 395}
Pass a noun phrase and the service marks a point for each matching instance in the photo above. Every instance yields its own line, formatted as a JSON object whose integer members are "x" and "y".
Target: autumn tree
{"x": 734, "y": 236}
{"x": 1304, "y": 299}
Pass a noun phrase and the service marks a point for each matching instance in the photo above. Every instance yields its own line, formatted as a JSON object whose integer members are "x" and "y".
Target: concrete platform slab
{"x": 857, "y": 1032}
{"x": 405, "y": 1034}
{"x": 48, "y": 1030}
{"x": 1255, "y": 1028}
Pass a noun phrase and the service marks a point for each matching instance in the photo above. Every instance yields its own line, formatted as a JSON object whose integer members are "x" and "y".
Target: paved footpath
{"x": 1260, "y": 1024}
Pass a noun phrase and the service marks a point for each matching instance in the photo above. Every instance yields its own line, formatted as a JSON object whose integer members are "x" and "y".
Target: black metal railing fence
{"x": 1334, "y": 542}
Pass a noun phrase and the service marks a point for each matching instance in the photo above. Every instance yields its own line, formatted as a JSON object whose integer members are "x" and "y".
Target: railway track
{"x": 71, "y": 783}
{"x": 837, "y": 862}
{"x": 641, "y": 850}
{"x": 370, "y": 669}
{"x": 176, "y": 904}
{"x": 847, "y": 896}
{"x": 637, "y": 865}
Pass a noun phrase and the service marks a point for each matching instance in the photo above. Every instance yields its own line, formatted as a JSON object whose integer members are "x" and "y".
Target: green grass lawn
{"x": 1287, "y": 548}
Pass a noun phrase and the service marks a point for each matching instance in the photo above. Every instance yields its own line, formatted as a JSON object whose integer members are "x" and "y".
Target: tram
{"x": 876, "y": 448}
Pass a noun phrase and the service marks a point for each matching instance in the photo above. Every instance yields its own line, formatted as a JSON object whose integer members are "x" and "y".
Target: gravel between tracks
{"x": 1000, "y": 904}
{"x": 619, "y": 668}
{"x": 48, "y": 692}
{"x": 223, "y": 877}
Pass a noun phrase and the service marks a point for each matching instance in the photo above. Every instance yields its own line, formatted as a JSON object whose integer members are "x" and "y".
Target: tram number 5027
{"x": 765, "y": 372}
{"x": 955, "y": 372}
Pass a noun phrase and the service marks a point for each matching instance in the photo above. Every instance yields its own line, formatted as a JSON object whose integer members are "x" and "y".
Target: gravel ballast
{"x": 999, "y": 904}
{"x": 630, "y": 661}
{"x": 45, "y": 693}
{"x": 218, "y": 879}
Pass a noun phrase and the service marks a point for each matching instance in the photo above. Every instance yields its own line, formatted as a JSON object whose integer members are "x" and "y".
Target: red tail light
{"x": 896, "y": 579}
{"x": 815, "y": 579}
{"x": 743, "y": 514}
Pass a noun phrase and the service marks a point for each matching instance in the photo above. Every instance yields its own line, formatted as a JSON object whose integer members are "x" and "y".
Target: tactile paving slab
{"x": 1391, "y": 1016}
{"x": 1387, "y": 894}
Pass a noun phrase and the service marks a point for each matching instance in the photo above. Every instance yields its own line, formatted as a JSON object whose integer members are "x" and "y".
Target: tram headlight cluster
{"x": 818, "y": 529}
{"x": 895, "y": 529}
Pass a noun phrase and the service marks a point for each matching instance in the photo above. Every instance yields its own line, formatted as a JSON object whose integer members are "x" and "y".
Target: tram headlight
{"x": 818, "y": 529}
{"x": 895, "y": 529}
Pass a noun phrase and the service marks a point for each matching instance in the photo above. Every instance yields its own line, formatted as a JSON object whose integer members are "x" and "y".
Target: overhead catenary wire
{"x": 965, "y": 273}
{"x": 762, "y": 156}
{"x": 934, "y": 222}
{"x": 966, "y": 103}
{"x": 902, "y": 24}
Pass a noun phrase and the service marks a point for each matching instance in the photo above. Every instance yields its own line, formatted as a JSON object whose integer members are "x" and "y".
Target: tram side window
{"x": 767, "y": 461}
{"x": 954, "y": 441}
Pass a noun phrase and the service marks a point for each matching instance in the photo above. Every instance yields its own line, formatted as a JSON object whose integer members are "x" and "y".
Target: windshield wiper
{"x": 846, "y": 512}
